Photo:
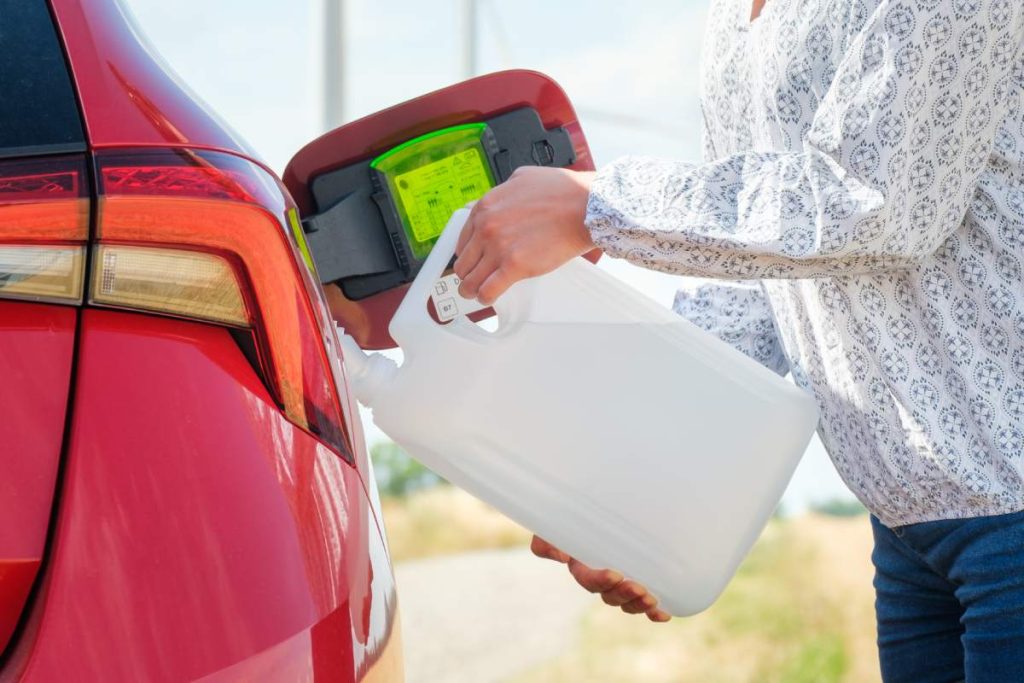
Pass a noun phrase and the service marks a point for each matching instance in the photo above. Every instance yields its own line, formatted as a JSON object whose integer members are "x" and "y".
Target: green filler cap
{"x": 432, "y": 176}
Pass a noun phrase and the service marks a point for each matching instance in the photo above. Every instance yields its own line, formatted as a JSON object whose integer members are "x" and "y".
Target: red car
{"x": 184, "y": 489}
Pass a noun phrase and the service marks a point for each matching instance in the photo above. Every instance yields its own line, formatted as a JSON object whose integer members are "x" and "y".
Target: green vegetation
{"x": 397, "y": 474}
{"x": 822, "y": 658}
{"x": 839, "y": 507}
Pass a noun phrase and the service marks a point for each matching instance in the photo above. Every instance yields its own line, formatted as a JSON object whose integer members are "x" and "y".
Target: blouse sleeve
{"x": 887, "y": 171}
{"x": 737, "y": 313}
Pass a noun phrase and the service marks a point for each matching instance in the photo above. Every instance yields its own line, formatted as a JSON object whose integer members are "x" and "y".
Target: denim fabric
{"x": 950, "y": 600}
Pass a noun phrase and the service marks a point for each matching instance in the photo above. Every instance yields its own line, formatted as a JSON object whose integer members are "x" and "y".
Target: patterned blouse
{"x": 864, "y": 175}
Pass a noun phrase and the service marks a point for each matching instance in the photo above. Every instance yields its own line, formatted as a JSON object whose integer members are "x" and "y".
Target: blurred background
{"x": 475, "y": 606}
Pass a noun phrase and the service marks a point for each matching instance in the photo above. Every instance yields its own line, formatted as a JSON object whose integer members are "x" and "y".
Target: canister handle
{"x": 412, "y": 326}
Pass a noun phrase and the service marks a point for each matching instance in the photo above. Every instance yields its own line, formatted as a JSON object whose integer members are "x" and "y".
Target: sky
{"x": 632, "y": 75}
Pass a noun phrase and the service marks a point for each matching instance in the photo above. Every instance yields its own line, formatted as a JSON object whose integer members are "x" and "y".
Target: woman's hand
{"x": 525, "y": 227}
{"x": 629, "y": 596}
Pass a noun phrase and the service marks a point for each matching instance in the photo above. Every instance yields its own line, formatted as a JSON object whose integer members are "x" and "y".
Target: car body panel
{"x": 36, "y": 351}
{"x": 199, "y": 530}
{"x": 128, "y": 95}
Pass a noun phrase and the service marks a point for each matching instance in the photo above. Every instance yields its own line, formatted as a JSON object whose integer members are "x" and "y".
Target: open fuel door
{"x": 375, "y": 194}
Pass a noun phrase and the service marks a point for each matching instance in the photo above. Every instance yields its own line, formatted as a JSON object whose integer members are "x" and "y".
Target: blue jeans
{"x": 950, "y": 600}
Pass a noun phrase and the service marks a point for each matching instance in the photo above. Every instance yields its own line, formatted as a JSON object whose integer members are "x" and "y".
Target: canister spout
{"x": 368, "y": 373}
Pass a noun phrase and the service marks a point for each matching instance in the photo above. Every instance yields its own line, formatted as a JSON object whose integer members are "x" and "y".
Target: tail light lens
{"x": 44, "y": 225}
{"x": 42, "y": 273}
{"x": 204, "y": 235}
{"x": 186, "y": 283}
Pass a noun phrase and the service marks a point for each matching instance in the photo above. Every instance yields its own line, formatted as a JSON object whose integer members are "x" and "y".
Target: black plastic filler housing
{"x": 358, "y": 239}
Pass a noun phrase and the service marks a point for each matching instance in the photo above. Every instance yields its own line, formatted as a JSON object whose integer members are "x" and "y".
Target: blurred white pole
{"x": 469, "y": 46}
{"x": 334, "y": 67}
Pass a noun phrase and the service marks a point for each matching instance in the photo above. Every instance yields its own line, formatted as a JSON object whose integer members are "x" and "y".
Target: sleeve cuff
{"x": 628, "y": 194}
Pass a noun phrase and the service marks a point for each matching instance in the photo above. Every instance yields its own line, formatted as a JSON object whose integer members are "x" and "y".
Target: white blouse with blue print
{"x": 864, "y": 175}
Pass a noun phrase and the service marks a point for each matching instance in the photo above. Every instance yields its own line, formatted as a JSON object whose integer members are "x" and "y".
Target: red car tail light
{"x": 192, "y": 284}
{"x": 203, "y": 235}
{"x": 44, "y": 225}
{"x": 41, "y": 273}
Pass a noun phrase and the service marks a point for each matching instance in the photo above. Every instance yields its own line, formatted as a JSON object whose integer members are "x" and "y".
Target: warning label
{"x": 431, "y": 194}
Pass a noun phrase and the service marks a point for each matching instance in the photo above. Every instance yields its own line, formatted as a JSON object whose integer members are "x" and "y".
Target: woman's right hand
{"x": 615, "y": 589}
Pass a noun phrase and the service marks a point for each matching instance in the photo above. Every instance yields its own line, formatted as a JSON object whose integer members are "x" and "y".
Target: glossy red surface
{"x": 473, "y": 100}
{"x": 36, "y": 348}
{"x": 223, "y": 203}
{"x": 200, "y": 533}
{"x": 128, "y": 97}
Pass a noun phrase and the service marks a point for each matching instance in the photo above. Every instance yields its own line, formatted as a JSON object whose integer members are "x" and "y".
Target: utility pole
{"x": 334, "y": 67}
{"x": 469, "y": 38}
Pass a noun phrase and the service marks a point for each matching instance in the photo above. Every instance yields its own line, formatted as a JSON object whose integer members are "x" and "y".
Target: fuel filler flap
{"x": 378, "y": 219}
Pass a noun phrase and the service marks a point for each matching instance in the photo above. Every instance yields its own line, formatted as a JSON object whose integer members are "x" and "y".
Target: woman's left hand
{"x": 614, "y": 589}
{"x": 525, "y": 227}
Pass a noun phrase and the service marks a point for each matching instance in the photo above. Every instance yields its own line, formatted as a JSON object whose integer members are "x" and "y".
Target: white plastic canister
{"x": 596, "y": 418}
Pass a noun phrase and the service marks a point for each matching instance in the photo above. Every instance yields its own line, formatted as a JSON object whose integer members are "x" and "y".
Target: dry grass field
{"x": 444, "y": 520}
{"x": 799, "y": 611}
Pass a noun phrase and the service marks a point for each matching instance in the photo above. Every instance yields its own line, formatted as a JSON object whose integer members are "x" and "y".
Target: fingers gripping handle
{"x": 411, "y": 320}
{"x": 412, "y": 326}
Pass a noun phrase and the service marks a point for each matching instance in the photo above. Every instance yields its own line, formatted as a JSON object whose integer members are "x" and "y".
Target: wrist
{"x": 583, "y": 181}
